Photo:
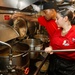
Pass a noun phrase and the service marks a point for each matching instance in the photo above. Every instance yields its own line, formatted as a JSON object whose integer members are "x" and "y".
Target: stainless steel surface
{"x": 7, "y": 32}
{"x": 35, "y": 45}
{"x": 24, "y": 3}
{"x": 43, "y": 38}
{"x": 9, "y": 3}
{"x": 4, "y": 45}
{"x": 19, "y": 4}
{"x": 19, "y": 59}
{"x": 32, "y": 42}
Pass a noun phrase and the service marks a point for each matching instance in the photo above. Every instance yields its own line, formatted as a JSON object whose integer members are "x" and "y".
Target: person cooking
{"x": 62, "y": 63}
{"x": 48, "y": 20}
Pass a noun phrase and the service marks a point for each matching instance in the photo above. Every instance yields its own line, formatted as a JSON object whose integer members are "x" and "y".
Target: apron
{"x": 60, "y": 66}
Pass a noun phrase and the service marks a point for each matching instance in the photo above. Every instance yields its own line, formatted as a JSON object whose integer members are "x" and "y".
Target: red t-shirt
{"x": 64, "y": 42}
{"x": 50, "y": 26}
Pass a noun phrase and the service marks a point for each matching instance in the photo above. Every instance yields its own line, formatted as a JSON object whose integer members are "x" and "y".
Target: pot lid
{"x": 7, "y": 32}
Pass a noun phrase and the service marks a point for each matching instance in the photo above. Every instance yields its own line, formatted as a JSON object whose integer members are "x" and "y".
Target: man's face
{"x": 48, "y": 14}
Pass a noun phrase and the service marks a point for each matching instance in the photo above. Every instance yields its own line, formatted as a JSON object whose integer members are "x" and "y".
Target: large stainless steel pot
{"x": 19, "y": 59}
{"x": 35, "y": 44}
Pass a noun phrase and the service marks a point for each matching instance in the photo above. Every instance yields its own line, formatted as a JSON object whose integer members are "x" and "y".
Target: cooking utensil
{"x": 64, "y": 50}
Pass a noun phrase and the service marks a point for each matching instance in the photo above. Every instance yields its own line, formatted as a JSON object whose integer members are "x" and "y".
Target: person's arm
{"x": 26, "y": 17}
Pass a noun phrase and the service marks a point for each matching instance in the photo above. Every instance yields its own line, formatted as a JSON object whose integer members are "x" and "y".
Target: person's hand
{"x": 49, "y": 50}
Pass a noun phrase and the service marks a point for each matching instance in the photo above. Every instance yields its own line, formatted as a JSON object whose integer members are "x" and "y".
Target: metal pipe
{"x": 38, "y": 70}
{"x": 63, "y": 50}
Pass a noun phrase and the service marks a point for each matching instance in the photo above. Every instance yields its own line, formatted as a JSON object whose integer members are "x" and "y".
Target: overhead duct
{"x": 18, "y": 4}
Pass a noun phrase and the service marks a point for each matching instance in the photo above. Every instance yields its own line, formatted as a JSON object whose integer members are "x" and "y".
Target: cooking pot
{"x": 19, "y": 59}
{"x": 35, "y": 44}
{"x": 43, "y": 38}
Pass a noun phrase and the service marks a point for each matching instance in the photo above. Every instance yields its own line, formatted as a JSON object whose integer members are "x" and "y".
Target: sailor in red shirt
{"x": 47, "y": 20}
{"x": 63, "y": 63}
{"x": 50, "y": 25}
{"x": 64, "y": 42}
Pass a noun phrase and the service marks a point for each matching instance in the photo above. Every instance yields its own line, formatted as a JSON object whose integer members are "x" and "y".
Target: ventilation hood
{"x": 18, "y": 4}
